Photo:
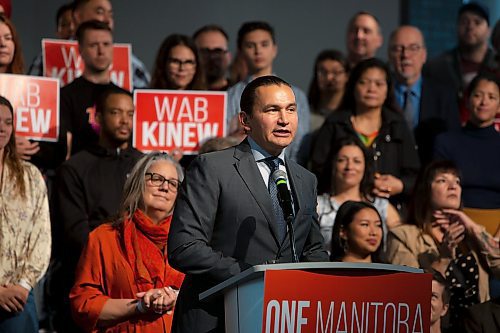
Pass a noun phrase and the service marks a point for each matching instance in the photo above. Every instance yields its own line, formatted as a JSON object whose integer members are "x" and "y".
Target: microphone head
{"x": 279, "y": 177}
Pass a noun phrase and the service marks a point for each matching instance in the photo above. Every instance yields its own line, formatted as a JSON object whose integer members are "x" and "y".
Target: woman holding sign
{"x": 25, "y": 241}
{"x": 123, "y": 280}
{"x": 178, "y": 66}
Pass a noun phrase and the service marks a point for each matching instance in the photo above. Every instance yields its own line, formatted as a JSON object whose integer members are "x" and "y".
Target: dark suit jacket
{"x": 482, "y": 318}
{"x": 438, "y": 113}
{"x": 224, "y": 223}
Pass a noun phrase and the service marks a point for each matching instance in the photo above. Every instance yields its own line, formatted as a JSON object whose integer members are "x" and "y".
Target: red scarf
{"x": 144, "y": 242}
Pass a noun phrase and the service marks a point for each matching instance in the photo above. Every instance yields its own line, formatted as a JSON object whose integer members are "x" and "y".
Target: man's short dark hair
{"x": 90, "y": 25}
{"x": 248, "y": 95}
{"x": 77, "y": 4}
{"x": 439, "y": 278}
{"x": 63, "y": 9}
{"x": 102, "y": 99}
{"x": 248, "y": 27}
{"x": 210, "y": 28}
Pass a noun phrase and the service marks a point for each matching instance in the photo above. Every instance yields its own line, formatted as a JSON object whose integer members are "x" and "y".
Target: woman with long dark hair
{"x": 368, "y": 114}
{"x": 178, "y": 65}
{"x": 25, "y": 241}
{"x": 351, "y": 179}
{"x": 357, "y": 234}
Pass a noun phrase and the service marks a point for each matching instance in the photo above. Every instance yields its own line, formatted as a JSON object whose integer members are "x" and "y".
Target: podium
{"x": 326, "y": 297}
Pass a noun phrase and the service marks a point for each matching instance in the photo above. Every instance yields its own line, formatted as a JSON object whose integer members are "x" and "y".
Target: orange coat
{"x": 104, "y": 273}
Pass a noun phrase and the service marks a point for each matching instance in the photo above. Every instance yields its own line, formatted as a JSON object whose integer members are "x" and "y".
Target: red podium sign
{"x": 300, "y": 301}
{"x": 36, "y": 105}
{"x": 169, "y": 119}
{"x": 61, "y": 59}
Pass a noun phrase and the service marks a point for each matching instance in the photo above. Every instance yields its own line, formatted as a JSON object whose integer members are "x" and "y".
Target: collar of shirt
{"x": 400, "y": 90}
{"x": 259, "y": 154}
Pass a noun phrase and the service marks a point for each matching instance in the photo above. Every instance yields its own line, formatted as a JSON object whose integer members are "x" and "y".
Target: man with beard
{"x": 88, "y": 192}
{"x": 458, "y": 66}
{"x": 211, "y": 41}
{"x": 429, "y": 107}
{"x": 364, "y": 37}
{"x": 95, "y": 43}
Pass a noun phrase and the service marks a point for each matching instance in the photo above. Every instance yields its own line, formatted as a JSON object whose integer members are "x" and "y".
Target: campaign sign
{"x": 312, "y": 302}
{"x": 169, "y": 119}
{"x": 61, "y": 59}
{"x": 36, "y": 105}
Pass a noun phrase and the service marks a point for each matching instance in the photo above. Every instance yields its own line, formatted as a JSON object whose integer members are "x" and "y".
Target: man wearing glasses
{"x": 211, "y": 41}
{"x": 428, "y": 106}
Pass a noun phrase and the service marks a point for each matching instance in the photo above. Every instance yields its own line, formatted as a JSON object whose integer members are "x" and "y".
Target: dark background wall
{"x": 303, "y": 27}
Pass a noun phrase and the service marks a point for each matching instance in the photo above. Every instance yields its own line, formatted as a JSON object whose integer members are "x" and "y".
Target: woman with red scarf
{"x": 123, "y": 280}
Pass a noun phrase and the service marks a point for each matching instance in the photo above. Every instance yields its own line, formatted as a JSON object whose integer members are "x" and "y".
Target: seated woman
{"x": 357, "y": 234}
{"x": 25, "y": 238}
{"x": 440, "y": 236}
{"x": 351, "y": 178}
{"x": 368, "y": 114}
{"x": 123, "y": 279}
{"x": 478, "y": 144}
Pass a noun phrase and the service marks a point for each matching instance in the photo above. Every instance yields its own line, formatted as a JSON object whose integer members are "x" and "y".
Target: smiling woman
{"x": 124, "y": 281}
{"x": 177, "y": 65}
{"x": 477, "y": 141}
{"x": 351, "y": 179}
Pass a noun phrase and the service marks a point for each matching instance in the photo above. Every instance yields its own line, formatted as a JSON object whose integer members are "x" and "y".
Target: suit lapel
{"x": 295, "y": 184}
{"x": 424, "y": 101}
{"x": 249, "y": 172}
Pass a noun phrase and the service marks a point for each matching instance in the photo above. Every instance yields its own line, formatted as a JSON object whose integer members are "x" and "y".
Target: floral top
{"x": 25, "y": 238}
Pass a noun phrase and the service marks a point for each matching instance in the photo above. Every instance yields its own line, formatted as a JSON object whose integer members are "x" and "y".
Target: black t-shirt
{"x": 78, "y": 111}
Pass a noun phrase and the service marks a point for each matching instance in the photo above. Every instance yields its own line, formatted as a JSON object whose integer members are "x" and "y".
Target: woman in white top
{"x": 351, "y": 179}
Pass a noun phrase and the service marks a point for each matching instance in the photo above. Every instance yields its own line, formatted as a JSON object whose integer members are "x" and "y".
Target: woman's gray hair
{"x": 136, "y": 182}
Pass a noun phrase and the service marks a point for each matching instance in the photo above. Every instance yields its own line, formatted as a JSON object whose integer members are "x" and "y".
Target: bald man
{"x": 429, "y": 107}
{"x": 364, "y": 37}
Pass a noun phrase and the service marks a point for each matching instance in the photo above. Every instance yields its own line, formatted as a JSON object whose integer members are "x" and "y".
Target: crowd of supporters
{"x": 407, "y": 153}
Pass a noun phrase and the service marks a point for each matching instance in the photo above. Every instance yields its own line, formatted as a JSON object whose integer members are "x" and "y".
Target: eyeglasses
{"x": 178, "y": 63}
{"x": 410, "y": 49}
{"x": 322, "y": 73}
{"x": 159, "y": 180}
{"x": 217, "y": 52}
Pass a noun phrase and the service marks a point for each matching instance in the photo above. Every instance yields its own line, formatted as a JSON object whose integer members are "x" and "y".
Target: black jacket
{"x": 394, "y": 151}
{"x": 88, "y": 191}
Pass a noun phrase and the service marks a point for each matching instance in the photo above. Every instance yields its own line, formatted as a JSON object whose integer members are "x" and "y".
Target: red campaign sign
{"x": 169, "y": 119}
{"x": 36, "y": 105}
{"x": 312, "y": 302}
{"x": 61, "y": 59}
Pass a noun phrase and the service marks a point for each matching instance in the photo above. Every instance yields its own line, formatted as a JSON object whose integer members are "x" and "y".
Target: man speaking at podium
{"x": 228, "y": 216}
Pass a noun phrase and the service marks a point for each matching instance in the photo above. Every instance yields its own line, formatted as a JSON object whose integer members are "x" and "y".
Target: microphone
{"x": 285, "y": 201}
{"x": 284, "y": 197}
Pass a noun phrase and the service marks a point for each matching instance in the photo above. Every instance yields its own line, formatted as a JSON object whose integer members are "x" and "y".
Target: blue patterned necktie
{"x": 409, "y": 108}
{"x": 273, "y": 164}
